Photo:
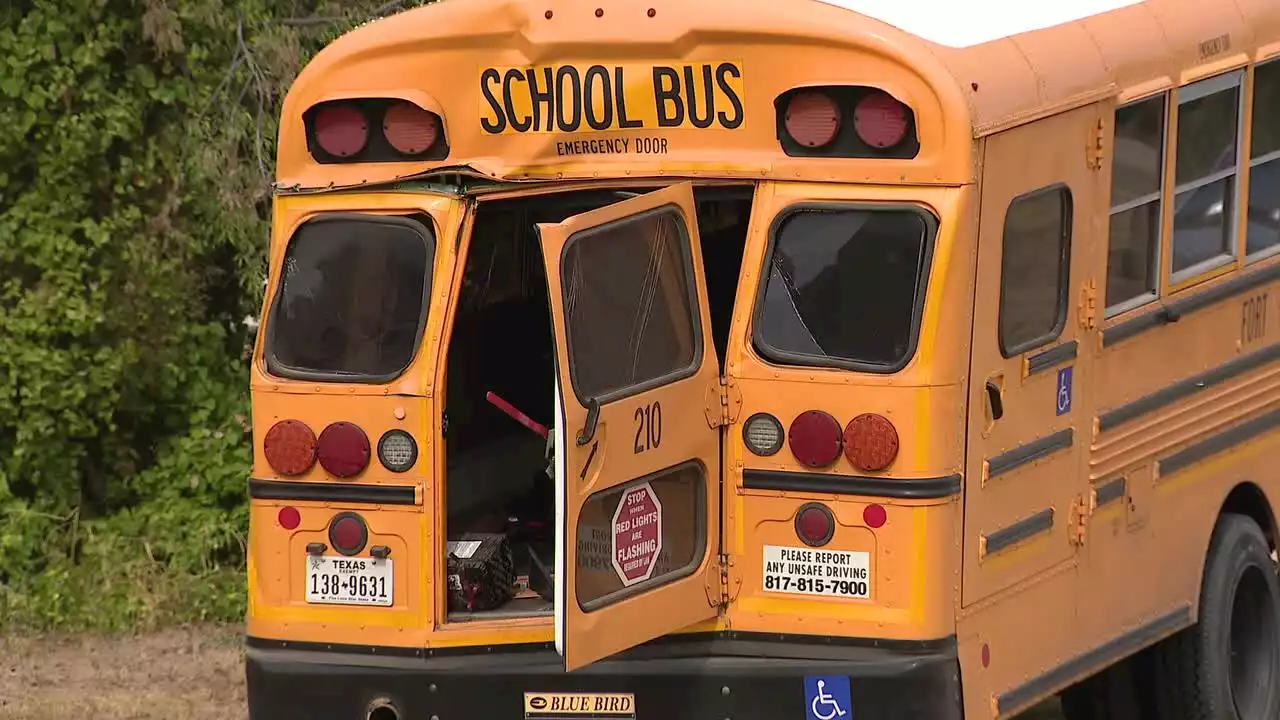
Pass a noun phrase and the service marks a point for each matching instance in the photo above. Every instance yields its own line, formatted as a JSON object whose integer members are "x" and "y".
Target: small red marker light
{"x": 875, "y": 516}
{"x": 289, "y": 517}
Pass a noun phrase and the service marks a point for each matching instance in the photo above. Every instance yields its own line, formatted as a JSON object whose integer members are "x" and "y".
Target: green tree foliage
{"x": 136, "y": 146}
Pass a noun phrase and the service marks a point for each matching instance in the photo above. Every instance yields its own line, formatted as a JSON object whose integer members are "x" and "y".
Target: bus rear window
{"x": 351, "y": 301}
{"x": 845, "y": 287}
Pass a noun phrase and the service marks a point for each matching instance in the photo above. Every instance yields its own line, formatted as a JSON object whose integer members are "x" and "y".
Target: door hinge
{"x": 1081, "y": 510}
{"x": 1088, "y": 310}
{"x": 1095, "y": 150}
{"x": 724, "y": 400}
{"x": 723, "y": 586}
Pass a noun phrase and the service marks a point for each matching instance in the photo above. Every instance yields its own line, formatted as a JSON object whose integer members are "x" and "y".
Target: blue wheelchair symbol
{"x": 1062, "y": 398}
{"x": 827, "y": 697}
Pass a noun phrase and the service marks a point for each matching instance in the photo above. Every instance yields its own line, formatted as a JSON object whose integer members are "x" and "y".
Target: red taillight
{"x": 341, "y": 129}
{"x": 815, "y": 525}
{"x": 875, "y": 516}
{"x": 343, "y": 449}
{"x": 870, "y": 442}
{"x": 812, "y": 119}
{"x": 290, "y": 447}
{"x": 289, "y": 517}
{"x": 410, "y": 129}
{"x": 348, "y": 533}
{"x": 815, "y": 438}
{"x": 880, "y": 120}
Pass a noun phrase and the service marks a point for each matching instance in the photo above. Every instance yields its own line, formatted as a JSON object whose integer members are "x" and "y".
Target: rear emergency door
{"x": 637, "y": 449}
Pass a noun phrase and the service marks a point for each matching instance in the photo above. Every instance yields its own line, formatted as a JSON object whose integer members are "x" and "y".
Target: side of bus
{"x": 1122, "y": 466}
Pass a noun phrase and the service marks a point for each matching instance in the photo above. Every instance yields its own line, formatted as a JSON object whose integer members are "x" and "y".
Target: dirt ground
{"x": 184, "y": 674}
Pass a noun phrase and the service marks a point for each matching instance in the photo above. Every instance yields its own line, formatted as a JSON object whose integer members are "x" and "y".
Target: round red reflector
{"x": 815, "y": 438}
{"x": 343, "y": 449}
{"x": 347, "y": 533}
{"x": 812, "y": 119}
{"x": 289, "y": 517}
{"x": 290, "y": 447}
{"x": 875, "y": 516}
{"x": 879, "y": 120}
{"x": 410, "y": 129}
{"x": 870, "y": 442}
{"x": 815, "y": 525}
{"x": 341, "y": 129}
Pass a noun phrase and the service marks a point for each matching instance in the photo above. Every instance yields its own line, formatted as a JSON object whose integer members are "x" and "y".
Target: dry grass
{"x": 183, "y": 674}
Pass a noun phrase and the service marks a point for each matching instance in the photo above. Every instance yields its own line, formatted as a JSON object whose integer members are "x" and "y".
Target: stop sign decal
{"x": 637, "y": 534}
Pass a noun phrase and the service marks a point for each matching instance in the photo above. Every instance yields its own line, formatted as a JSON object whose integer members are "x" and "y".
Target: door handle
{"x": 593, "y": 416}
{"x": 997, "y": 402}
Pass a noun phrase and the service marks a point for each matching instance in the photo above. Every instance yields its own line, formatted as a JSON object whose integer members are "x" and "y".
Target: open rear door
{"x": 639, "y": 458}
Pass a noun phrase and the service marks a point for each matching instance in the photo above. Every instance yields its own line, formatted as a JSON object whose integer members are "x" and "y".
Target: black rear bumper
{"x": 743, "y": 678}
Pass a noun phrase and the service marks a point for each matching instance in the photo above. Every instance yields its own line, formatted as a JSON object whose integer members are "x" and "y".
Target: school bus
{"x": 748, "y": 359}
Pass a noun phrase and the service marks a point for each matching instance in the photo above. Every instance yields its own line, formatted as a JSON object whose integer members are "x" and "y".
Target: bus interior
{"x": 499, "y": 396}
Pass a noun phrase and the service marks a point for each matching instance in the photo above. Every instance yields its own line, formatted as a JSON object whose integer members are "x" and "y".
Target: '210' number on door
{"x": 648, "y": 427}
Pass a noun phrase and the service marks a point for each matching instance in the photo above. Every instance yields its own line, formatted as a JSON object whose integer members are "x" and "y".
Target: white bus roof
{"x": 963, "y": 23}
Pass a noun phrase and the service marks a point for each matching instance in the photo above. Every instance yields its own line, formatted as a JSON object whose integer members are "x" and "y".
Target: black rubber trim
{"x": 1186, "y": 388}
{"x": 1102, "y": 656}
{"x": 725, "y": 642}
{"x": 1172, "y": 312}
{"x": 1032, "y": 451}
{"x": 904, "y": 488}
{"x": 1226, "y": 440}
{"x": 1025, "y": 528}
{"x": 333, "y": 492}
{"x": 1051, "y": 357}
{"x": 1112, "y": 491}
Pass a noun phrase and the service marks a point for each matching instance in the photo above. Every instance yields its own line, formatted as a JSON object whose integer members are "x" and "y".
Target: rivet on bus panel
{"x": 399, "y": 413}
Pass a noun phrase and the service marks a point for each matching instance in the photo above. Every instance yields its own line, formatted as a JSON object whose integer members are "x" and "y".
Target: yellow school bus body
{"x": 1023, "y": 550}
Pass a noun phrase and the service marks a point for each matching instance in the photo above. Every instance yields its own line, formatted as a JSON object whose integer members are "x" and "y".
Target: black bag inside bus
{"x": 481, "y": 572}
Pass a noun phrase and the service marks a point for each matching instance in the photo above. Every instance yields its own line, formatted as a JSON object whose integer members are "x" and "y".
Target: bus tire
{"x": 1227, "y": 666}
{"x": 1124, "y": 691}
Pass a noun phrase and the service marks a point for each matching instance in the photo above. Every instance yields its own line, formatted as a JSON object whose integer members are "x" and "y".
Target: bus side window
{"x": 1133, "y": 245}
{"x": 1264, "y": 179}
{"x": 1207, "y": 171}
{"x": 1035, "y": 269}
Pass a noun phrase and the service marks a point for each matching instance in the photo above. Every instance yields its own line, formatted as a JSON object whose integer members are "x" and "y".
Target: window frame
{"x": 1251, "y": 163}
{"x": 695, "y": 307}
{"x": 272, "y": 365}
{"x": 785, "y": 359}
{"x": 1064, "y": 272}
{"x": 1157, "y": 250}
{"x": 1191, "y": 92}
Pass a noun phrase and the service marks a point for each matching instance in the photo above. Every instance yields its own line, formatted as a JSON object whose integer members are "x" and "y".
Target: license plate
{"x": 349, "y": 581}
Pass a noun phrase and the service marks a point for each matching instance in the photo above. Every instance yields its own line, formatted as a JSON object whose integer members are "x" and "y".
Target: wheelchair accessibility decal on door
{"x": 828, "y": 698}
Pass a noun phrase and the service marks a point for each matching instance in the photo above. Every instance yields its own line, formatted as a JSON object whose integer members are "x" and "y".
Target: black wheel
{"x": 1123, "y": 691}
{"x": 1227, "y": 666}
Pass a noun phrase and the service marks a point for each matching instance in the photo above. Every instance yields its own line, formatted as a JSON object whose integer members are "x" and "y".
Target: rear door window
{"x": 352, "y": 298}
{"x": 845, "y": 287}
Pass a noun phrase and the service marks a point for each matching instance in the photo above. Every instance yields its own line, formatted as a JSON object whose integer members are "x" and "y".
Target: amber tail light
{"x": 290, "y": 447}
{"x": 870, "y": 442}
